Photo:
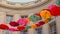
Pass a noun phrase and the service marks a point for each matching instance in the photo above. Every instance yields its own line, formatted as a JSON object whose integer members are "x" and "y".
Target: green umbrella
{"x": 58, "y": 2}
{"x": 35, "y": 18}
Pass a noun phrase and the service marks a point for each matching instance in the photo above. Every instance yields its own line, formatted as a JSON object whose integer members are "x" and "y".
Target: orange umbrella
{"x": 45, "y": 13}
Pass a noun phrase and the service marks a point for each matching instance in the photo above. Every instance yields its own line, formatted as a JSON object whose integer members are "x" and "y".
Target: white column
{"x": 31, "y": 31}
{"x": 2, "y": 17}
{"x": 15, "y": 18}
{"x": 58, "y": 24}
{"x": 2, "y": 20}
{"x": 45, "y": 29}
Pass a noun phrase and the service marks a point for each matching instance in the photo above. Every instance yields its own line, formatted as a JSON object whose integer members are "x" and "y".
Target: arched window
{"x": 9, "y": 18}
{"x": 38, "y": 31}
{"x": 52, "y": 27}
{"x": 23, "y": 32}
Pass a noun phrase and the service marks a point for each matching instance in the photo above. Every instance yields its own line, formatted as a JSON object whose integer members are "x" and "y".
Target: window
{"x": 9, "y": 18}
{"x": 39, "y": 30}
{"x": 23, "y": 32}
{"x": 52, "y": 28}
{"x": 24, "y": 16}
{"x": 7, "y": 32}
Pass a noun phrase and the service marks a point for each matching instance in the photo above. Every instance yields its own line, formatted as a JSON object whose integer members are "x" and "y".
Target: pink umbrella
{"x": 23, "y": 21}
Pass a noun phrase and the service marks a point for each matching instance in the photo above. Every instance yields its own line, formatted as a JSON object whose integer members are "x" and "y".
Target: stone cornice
{"x": 22, "y": 5}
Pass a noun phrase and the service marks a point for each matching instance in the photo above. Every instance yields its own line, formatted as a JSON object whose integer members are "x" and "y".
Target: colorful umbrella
{"x": 23, "y": 21}
{"x": 54, "y": 10}
{"x": 13, "y": 23}
{"x": 58, "y": 2}
{"x": 34, "y": 18}
{"x": 4, "y": 26}
{"x": 45, "y": 14}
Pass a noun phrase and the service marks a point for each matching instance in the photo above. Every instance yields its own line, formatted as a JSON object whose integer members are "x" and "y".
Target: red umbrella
{"x": 20, "y": 28}
{"x": 13, "y": 23}
{"x": 40, "y": 23}
{"x": 55, "y": 10}
{"x": 3, "y": 26}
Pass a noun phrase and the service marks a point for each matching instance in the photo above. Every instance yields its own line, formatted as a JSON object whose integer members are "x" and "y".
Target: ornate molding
{"x": 16, "y": 5}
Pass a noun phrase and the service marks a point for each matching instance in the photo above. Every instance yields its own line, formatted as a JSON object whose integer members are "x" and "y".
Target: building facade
{"x": 8, "y": 13}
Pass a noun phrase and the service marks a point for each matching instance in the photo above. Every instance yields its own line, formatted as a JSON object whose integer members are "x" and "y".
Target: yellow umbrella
{"x": 45, "y": 14}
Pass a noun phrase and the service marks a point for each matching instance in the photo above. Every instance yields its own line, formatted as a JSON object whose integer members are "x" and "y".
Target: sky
{"x": 20, "y": 0}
